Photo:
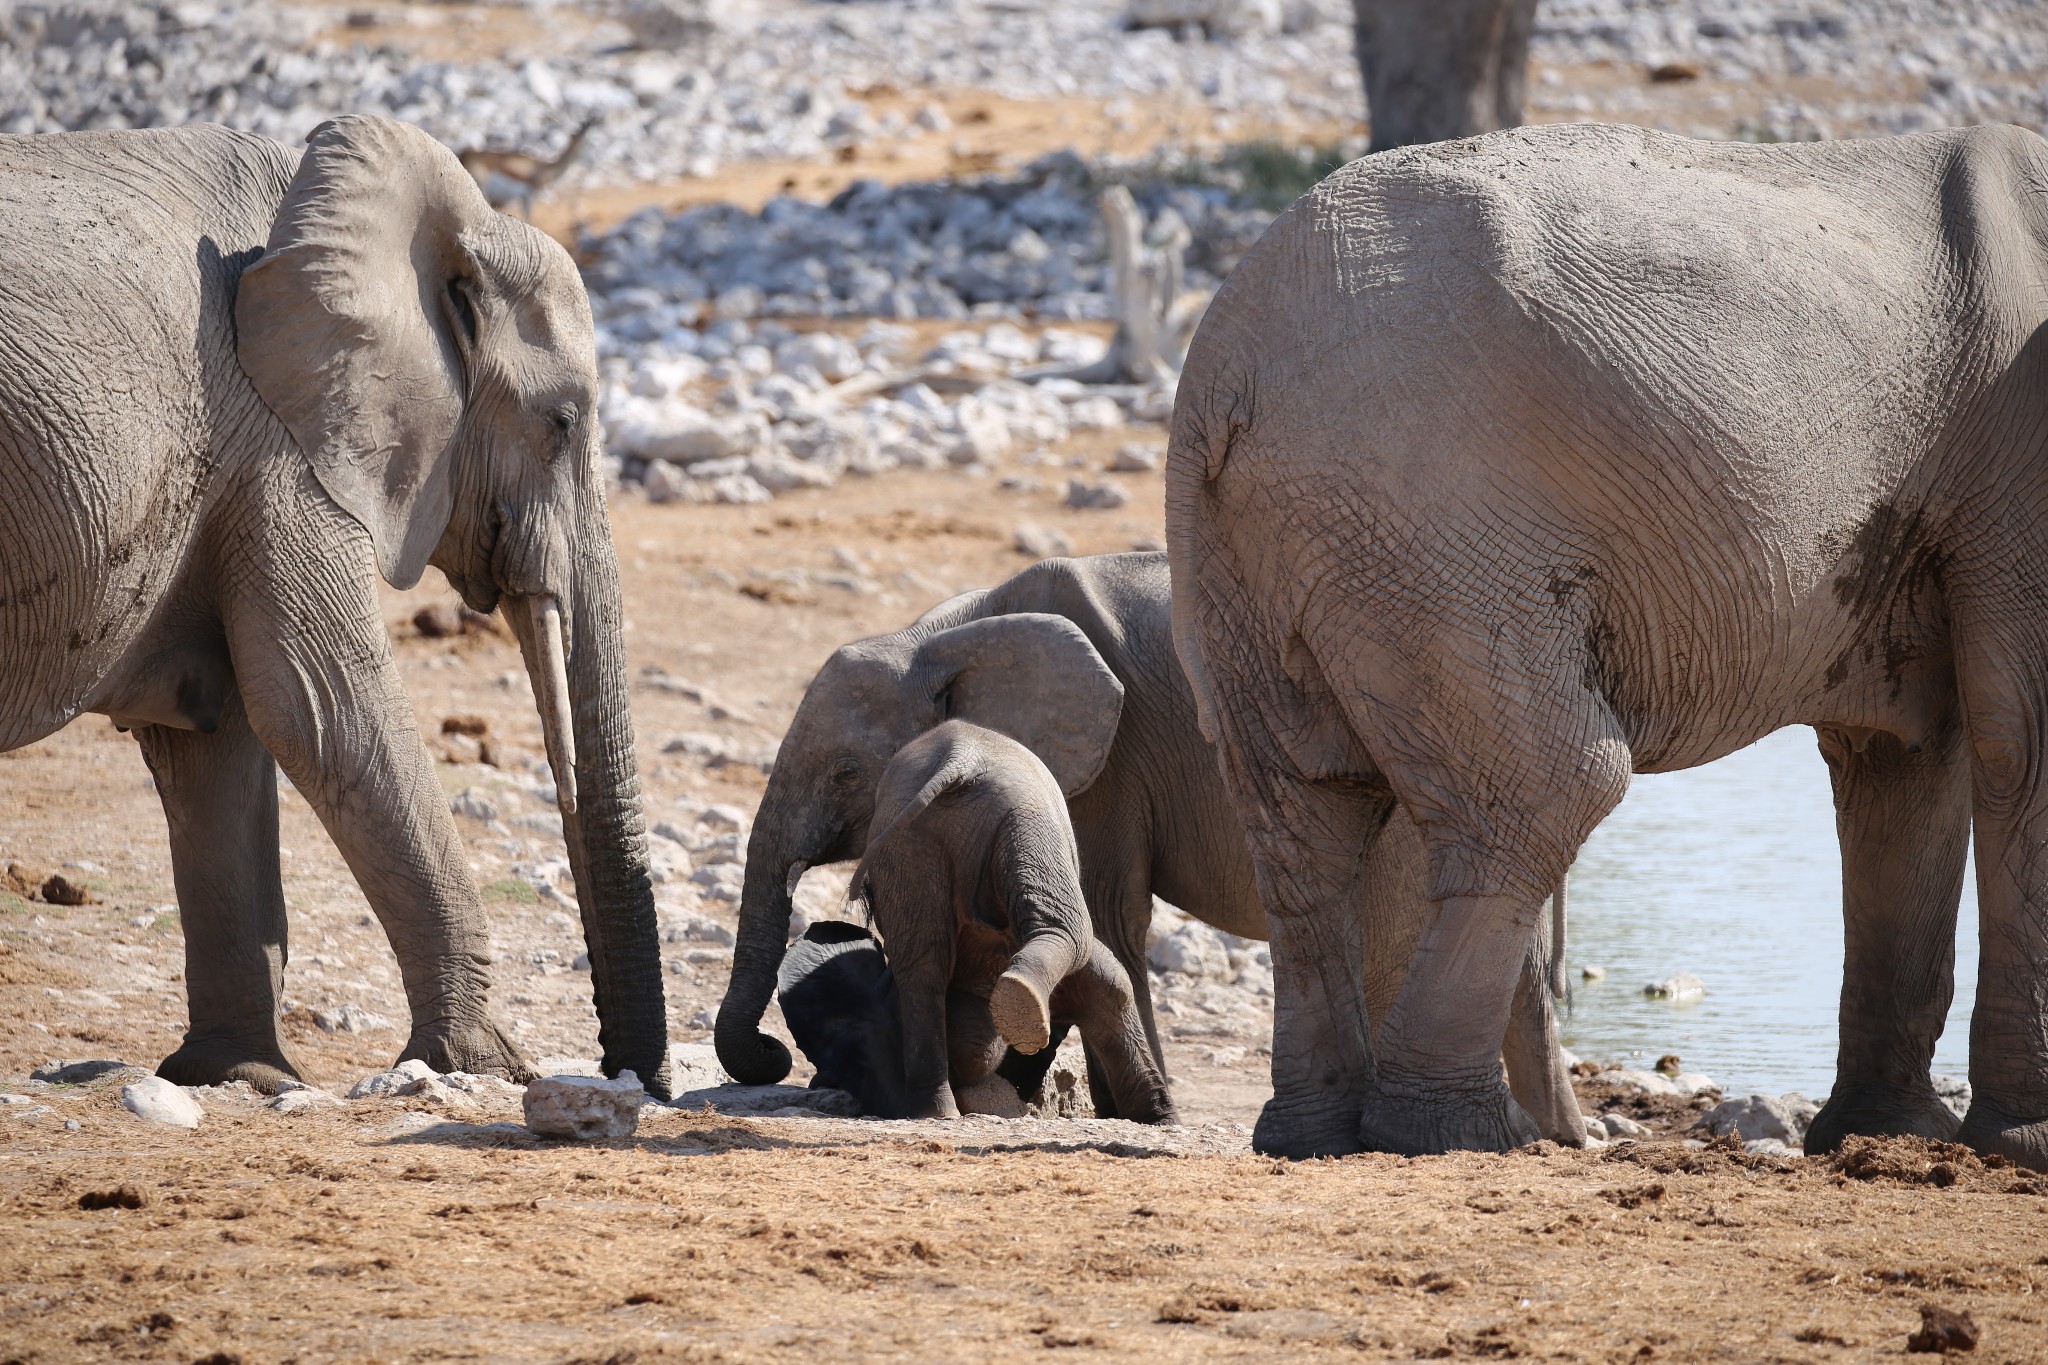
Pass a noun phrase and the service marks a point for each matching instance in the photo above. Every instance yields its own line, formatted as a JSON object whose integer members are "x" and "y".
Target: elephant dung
{"x": 157, "y": 1100}
{"x": 584, "y": 1108}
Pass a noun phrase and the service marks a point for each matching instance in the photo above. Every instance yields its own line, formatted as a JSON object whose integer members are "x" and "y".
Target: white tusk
{"x": 551, "y": 675}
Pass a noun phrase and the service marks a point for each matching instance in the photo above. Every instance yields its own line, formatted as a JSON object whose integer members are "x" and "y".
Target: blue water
{"x": 1731, "y": 872}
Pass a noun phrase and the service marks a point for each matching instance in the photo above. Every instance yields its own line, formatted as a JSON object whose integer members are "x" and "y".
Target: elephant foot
{"x": 1869, "y": 1110}
{"x": 1297, "y": 1128}
{"x": 933, "y": 1104}
{"x": 480, "y": 1049}
{"x": 1989, "y": 1133}
{"x": 221, "y": 1061}
{"x": 654, "y": 1079}
{"x": 1418, "y": 1118}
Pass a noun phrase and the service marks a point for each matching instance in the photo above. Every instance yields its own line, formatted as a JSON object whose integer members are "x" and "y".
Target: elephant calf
{"x": 974, "y": 880}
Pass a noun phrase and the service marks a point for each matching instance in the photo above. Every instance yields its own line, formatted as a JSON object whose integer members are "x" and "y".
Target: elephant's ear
{"x": 345, "y": 325}
{"x": 1036, "y": 678}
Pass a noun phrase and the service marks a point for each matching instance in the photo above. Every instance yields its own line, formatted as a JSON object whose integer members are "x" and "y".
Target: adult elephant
{"x": 240, "y": 383}
{"x": 1440, "y": 69}
{"x": 1505, "y": 468}
{"x": 1073, "y": 658}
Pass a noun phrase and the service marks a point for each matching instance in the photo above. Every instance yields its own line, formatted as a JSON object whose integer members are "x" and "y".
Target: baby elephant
{"x": 973, "y": 879}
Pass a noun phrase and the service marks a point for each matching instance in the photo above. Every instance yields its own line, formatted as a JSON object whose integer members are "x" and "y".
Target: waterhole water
{"x": 1731, "y": 872}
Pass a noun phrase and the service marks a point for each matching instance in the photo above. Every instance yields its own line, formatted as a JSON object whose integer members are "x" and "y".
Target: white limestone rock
{"x": 157, "y": 1100}
{"x": 1780, "y": 1118}
{"x": 584, "y": 1108}
{"x": 351, "y": 1018}
{"x": 389, "y": 1083}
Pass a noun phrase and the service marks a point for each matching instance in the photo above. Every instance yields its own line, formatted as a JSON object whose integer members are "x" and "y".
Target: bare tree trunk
{"x": 1439, "y": 69}
{"x": 1154, "y": 321}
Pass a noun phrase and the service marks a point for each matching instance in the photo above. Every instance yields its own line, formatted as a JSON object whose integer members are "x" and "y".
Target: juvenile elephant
{"x": 1073, "y": 658}
{"x": 240, "y": 383}
{"x": 973, "y": 879}
{"x": 1504, "y": 468}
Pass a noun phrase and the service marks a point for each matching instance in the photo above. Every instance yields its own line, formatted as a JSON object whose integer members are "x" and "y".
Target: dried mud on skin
{"x": 348, "y": 1236}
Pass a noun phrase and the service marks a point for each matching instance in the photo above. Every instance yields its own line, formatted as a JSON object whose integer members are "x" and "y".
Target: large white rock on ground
{"x": 159, "y": 1101}
{"x": 1753, "y": 1118}
{"x": 1193, "y": 949}
{"x": 585, "y": 1108}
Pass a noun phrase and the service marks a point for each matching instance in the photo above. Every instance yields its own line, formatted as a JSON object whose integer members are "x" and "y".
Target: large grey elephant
{"x": 239, "y": 383}
{"x": 1505, "y": 468}
{"x": 1073, "y": 658}
{"x": 1439, "y": 69}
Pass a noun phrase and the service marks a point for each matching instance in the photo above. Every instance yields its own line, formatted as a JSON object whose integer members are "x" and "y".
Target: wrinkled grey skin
{"x": 1074, "y": 658}
{"x": 239, "y": 384}
{"x": 972, "y": 877}
{"x": 1441, "y": 69}
{"x": 1504, "y": 468}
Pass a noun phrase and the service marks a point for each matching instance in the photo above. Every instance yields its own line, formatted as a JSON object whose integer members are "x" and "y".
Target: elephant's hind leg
{"x": 220, "y": 799}
{"x": 1904, "y": 820}
{"x": 2002, "y": 665}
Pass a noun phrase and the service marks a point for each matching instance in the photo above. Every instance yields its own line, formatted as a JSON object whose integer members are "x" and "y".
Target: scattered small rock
{"x": 391, "y": 1082}
{"x": 1135, "y": 459}
{"x": 1592, "y": 973}
{"x": 1615, "y": 1125}
{"x": 157, "y": 1100}
{"x": 350, "y": 1018}
{"x": 472, "y": 804}
{"x": 300, "y": 1099}
{"x": 1683, "y": 986}
{"x": 1042, "y": 542}
{"x": 584, "y": 1108}
{"x": 1095, "y": 496}
{"x": 476, "y": 727}
{"x": 1781, "y": 1118}
{"x": 1667, "y": 73}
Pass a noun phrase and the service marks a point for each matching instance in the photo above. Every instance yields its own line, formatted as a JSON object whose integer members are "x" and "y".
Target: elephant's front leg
{"x": 323, "y": 693}
{"x": 220, "y": 800}
{"x": 1904, "y": 821}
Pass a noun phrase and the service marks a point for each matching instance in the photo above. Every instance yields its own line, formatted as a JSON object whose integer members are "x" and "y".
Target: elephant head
{"x": 434, "y": 361}
{"x": 1032, "y": 676}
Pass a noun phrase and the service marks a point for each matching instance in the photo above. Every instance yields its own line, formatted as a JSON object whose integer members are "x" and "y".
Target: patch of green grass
{"x": 511, "y": 889}
{"x": 1266, "y": 172}
{"x": 13, "y": 904}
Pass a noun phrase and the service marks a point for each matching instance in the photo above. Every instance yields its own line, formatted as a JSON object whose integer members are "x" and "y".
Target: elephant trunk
{"x": 589, "y": 727}
{"x": 775, "y": 861}
{"x": 1055, "y": 939}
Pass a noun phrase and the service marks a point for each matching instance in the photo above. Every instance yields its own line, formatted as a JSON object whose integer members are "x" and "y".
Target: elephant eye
{"x": 563, "y": 419}
{"x": 846, "y": 772}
